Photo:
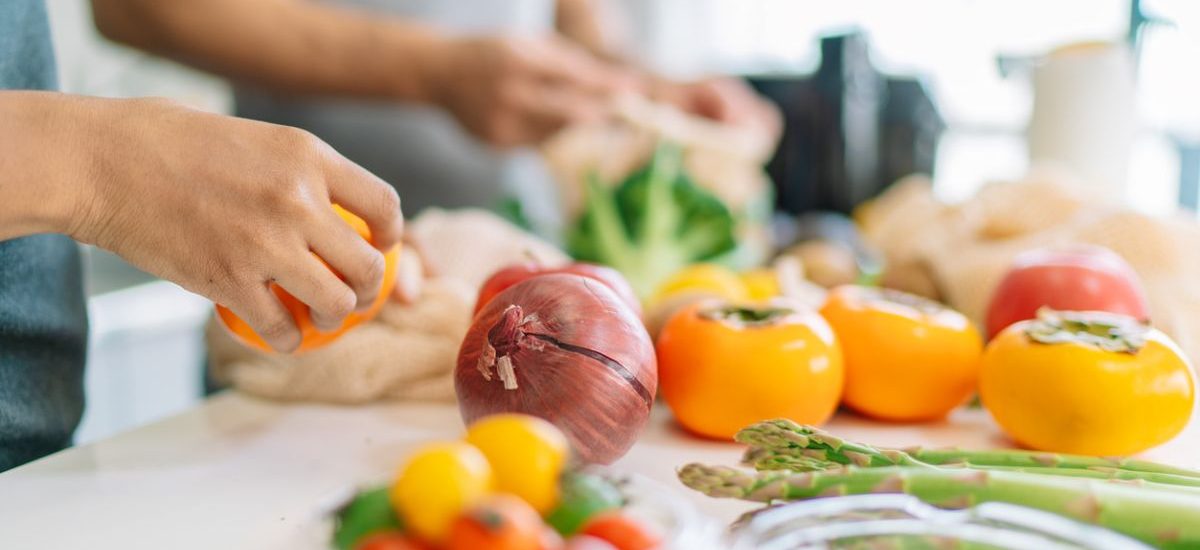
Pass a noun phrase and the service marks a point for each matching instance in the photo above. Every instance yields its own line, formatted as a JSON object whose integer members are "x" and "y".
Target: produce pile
{"x": 508, "y": 485}
{"x": 1070, "y": 364}
{"x": 1053, "y": 380}
{"x": 666, "y": 298}
{"x": 1155, "y": 503}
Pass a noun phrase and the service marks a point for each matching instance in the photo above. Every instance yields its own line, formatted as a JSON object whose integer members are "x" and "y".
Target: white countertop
{"x": 238, "y": 472}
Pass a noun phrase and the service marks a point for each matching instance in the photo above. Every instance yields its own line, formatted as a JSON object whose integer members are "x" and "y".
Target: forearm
{"x": 43, "y": 161}
{"x": 593, "y": 24}
{"x": 291, "y": 46}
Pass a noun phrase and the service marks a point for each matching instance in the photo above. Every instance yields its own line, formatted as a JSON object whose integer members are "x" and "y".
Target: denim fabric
{"x": 43, "y": 322}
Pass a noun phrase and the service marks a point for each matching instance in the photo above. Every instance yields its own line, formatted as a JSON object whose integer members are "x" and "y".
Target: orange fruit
{"x": 310, "y": 337}
{"x": 722, "y": 367}
{"x": 907, "y": 358}
{"x": 1085, "y": 382}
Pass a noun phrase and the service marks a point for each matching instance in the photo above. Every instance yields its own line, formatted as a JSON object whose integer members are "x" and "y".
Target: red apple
{"x": 1072, "y": 278}
{"x": 514, "y": 274}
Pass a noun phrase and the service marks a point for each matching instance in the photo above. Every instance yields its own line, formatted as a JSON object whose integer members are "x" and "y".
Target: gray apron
{"x": 43, "y": 325}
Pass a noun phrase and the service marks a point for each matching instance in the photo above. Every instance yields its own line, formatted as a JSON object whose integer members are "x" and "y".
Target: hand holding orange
{"x": 311, "y": 336}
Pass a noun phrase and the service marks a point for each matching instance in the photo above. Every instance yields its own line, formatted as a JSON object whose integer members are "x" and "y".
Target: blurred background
{"x": 967, "y": 90}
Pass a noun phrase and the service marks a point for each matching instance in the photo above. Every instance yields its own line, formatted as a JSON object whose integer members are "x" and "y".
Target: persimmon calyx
{"x": 747, "y": 316}
{"x": 1107, "y": 331}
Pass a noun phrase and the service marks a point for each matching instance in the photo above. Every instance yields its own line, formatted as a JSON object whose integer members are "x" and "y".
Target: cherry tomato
{"x": 907, "y": 358}
{"x": 512, "y": 275}
{"x": 1077, "y": 278}
{"x": 438, "y": 483}
{"x": 723, "y": 367}
{"x": 584, "y": 495}
{"x": 1087, "y": 383}
{"x": 310, "y": 337}
{"x": 527, "y": 455}
{"x": 501, "y": 522}
{"x": 761, "y": 284}
{"x": 712, "y": 279}
{"x": 392, "y": 540}
{"x": 623, "y": 531}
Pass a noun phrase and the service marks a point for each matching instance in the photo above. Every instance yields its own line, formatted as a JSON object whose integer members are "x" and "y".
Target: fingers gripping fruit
{"x": 310, "y": 336}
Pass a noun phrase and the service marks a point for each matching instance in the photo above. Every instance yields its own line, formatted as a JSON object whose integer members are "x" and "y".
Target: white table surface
{"x": 238, "y": 472}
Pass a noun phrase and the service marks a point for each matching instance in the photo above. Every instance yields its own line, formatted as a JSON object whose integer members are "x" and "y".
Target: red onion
{"x": 565, "y": 348}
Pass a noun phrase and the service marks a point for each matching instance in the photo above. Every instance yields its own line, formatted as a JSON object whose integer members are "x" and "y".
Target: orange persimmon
{"x": 722, "y": 367}
{"x": 1087, "y": 382}
{"x": 310, "y": 336}
{"x": 907, "y": 358}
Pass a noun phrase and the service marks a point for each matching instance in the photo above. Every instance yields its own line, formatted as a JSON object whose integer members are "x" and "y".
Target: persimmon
{"x": 722, "y": 367}
{"x": 310, "y": 336}
{"x": 1087, "y": 382}
{"x": 907, "y": 358}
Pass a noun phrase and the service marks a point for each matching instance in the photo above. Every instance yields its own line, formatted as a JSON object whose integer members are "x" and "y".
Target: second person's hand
{"x": 520, "y": 90}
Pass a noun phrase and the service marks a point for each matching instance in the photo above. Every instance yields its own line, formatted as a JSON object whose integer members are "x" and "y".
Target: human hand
{"x": 725, "y": 100}
{"x": 519, "y": 90}
{"x": 224, "y": 207}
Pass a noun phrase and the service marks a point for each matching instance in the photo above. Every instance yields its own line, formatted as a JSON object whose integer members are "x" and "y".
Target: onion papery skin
{"x": 580, "y": 358}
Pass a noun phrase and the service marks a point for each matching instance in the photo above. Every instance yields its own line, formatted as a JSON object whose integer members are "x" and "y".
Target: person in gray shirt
{"x": 220, "y": 205}
{"x": 444, "y": 99}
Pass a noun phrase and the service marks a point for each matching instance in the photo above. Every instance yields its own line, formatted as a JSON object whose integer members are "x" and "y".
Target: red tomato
{"x": 1074, "y": 278}
{"x": 623, "y": 531}
{"x": 502, "y": 522}
{"x": 391, "y": 540}
{"x": 514, "y": 274}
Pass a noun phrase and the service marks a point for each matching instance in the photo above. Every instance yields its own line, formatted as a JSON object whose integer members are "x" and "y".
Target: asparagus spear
{"x": 1170, "y": 519}
{"x": 787, "y": 437}
{"x": 767, "y": 460}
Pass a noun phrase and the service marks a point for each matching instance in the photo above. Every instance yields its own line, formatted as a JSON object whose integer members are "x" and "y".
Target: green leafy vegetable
{"x": 583, "y": 496}
{"x": 653, "y": 224}
{"x": 370, "y": 512}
